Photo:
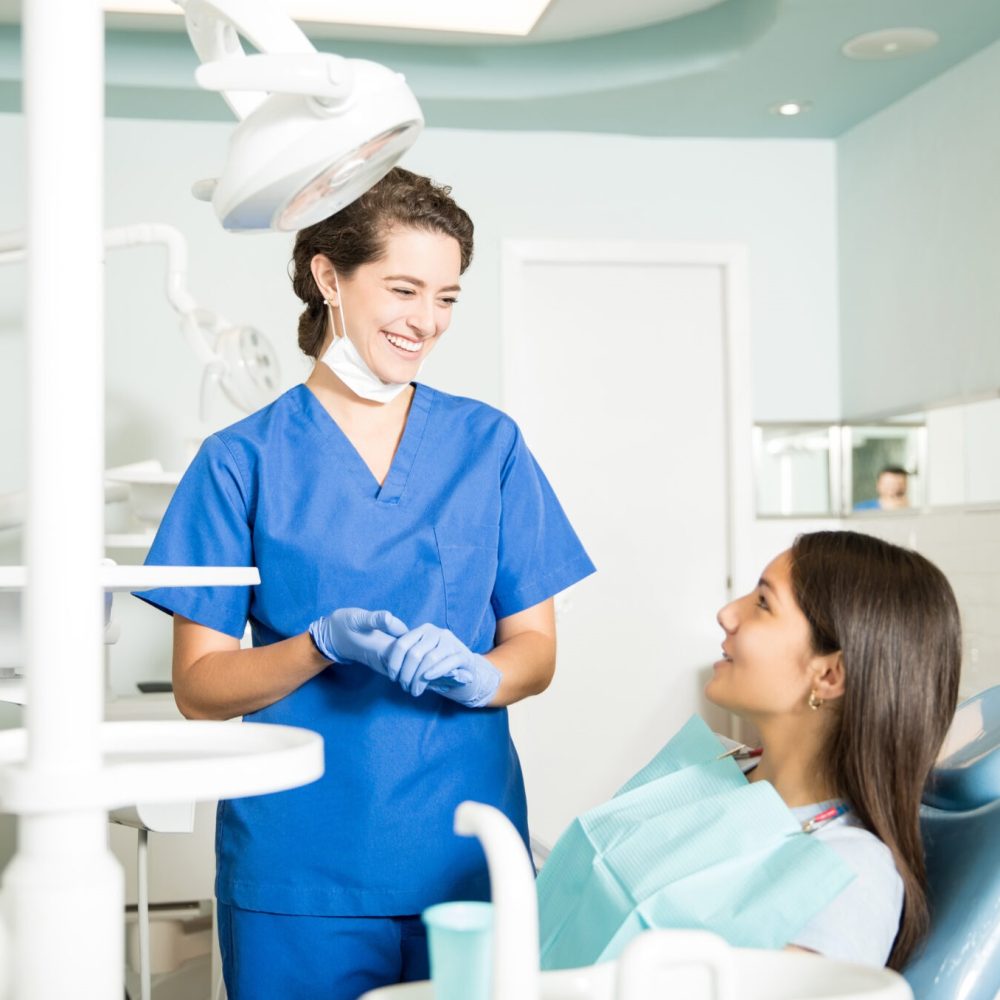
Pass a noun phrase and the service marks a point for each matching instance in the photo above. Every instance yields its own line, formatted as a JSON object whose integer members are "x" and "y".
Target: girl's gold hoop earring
{"x": 814, "y": 702}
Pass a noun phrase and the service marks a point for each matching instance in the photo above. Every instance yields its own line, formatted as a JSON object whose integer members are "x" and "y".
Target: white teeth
{"x": 405, "y": 345}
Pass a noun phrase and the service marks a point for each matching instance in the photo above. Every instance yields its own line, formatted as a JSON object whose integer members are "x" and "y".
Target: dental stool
{"x": 960, "y": 820}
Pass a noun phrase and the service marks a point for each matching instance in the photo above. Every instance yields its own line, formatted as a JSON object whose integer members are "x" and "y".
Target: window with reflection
{"x": 943, "y": 456}
{"x": 795, "y": 469}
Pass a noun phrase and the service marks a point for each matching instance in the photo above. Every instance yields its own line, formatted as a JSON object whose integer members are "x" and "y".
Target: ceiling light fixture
{"x": 513, "y": 17}
{"x": 789, "y": 109}
{"x": 890, "y": 43}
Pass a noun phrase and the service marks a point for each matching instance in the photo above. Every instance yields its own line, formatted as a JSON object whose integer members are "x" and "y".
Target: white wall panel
{"x": 616, "y": 366}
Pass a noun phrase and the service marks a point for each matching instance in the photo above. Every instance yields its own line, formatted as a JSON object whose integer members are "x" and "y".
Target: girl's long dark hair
{"x": 893, "y": 616}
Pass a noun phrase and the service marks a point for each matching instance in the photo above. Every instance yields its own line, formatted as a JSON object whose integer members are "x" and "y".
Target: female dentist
{"x": 409, "y": 549}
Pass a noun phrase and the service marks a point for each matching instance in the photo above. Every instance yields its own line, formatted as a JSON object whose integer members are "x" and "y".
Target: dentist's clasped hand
{"x": 354, "y": 635}
{"x": 419, "y": 659}
{"x": 435, "y": 658}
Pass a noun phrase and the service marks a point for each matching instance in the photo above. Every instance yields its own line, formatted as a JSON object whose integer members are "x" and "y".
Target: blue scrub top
{"x": 464, "y": 530}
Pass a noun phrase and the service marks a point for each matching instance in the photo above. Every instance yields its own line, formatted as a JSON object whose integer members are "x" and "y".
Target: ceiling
{"x": 711, "y": 68}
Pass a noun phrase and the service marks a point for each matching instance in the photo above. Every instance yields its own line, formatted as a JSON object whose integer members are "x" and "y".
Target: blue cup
{"x": 459, "y": 936}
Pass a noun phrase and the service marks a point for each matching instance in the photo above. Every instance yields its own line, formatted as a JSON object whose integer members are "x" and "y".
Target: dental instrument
{"x": 824, "y": 817}
{"x": 741, "y": 752}
{"x": 316, "y": 130}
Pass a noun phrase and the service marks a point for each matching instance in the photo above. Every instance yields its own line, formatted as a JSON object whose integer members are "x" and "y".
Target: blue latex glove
{"x": 354, "y": 635}
{"x": 432, "y": 657}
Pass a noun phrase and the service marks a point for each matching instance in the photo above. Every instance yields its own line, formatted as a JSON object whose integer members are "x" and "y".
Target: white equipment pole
{"x": 63, "y": 891}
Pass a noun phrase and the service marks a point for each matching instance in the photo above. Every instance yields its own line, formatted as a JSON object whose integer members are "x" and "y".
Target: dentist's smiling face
{"x": 398, "y": 306}
{"x": 768, "y": 665}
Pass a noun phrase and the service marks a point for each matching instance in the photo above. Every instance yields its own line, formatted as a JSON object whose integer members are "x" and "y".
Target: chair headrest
{"x": 967, "y": 773}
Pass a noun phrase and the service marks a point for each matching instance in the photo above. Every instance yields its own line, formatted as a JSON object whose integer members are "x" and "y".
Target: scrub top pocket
{"x": 468, "y": 554}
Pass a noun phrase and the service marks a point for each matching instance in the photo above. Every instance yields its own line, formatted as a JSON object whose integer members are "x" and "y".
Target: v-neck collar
{"x": 340, "y": 444}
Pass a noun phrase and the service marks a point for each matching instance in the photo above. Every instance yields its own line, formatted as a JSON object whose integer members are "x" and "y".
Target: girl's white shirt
{"x": 860, "y": 924}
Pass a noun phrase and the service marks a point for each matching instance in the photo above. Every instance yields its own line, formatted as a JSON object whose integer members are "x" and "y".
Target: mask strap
{"x": 340, "y": 307}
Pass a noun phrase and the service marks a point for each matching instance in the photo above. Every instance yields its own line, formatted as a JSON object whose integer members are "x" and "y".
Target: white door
{"x": 616, "y": 370}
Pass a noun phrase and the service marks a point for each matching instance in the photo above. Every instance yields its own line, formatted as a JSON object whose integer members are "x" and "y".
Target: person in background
{"x": 890, "y": 490}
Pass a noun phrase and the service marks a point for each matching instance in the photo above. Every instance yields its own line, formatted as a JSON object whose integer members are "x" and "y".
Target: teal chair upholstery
{"x": 960, "y": 819}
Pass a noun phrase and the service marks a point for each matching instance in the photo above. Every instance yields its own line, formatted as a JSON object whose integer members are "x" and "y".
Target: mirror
{"x": 943, "y": 456}
{"x": 795, "y": 469}
{"x": 884, "y": 464}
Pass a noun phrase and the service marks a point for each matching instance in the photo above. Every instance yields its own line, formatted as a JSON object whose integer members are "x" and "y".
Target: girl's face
{"x": 397, "y": 307}
{"x": 768, "y": 666}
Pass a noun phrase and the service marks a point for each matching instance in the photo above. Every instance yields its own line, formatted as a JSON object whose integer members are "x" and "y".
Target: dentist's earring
{"x": 814, "y": 702}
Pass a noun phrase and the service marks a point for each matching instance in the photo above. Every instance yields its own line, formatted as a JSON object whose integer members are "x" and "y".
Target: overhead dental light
{"x": 316, "y": 130}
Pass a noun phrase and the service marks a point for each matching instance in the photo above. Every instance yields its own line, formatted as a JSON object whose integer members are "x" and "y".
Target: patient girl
{"x": 845, "y": 658}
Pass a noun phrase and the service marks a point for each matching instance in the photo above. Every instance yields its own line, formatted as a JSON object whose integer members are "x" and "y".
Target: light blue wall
{"x": 919, "y": 212}
{"x": 777, "y": 198}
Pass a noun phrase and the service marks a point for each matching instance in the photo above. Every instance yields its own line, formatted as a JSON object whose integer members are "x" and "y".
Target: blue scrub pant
{"x": 274, "y": 956}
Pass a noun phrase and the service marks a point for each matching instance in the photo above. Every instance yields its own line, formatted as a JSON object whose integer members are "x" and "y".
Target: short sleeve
{"x": 860, "y": 925}
{"x": 206, "y": 524}
{"x": 539, "y": 553}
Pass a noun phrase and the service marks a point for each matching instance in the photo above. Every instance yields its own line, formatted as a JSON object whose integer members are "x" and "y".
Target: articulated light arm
{"x": 240, "y": 359}
{"x": 323, "y": 76}
{"x": 214, "y": 27}
{"x": 194, "y": 319}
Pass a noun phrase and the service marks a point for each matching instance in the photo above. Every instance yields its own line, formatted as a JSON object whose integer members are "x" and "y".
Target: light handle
{"x": 324, "y": 76}
{"x": 214, "y": 27}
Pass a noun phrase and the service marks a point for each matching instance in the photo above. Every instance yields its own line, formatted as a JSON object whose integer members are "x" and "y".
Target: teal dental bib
{"x": 689, "y": 843}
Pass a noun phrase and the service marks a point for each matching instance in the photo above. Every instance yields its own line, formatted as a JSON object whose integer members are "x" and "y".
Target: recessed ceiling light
{"x": 789, "y": 109}
{"x": 891, "y": 43}
{"x": 514, "y": 17}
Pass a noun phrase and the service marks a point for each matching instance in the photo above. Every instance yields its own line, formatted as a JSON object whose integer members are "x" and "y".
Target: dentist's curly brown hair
{"x": 357, "y": 235}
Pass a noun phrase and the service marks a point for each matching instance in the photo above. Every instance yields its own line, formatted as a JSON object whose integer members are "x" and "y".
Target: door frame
{"x": 732, "y": 261}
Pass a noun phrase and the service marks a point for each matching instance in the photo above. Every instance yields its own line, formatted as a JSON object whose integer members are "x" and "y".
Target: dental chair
{"x": 960, "y": 819}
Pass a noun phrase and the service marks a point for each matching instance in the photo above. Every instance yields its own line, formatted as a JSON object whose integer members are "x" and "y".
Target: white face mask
{"x": 344, "y": 360}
